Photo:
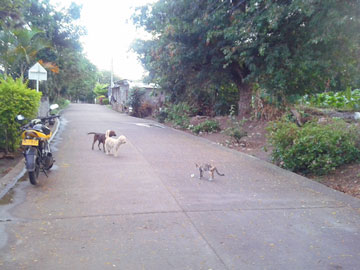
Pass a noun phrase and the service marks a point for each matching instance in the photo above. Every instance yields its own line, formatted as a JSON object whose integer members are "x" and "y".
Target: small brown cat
{"x": 208, "y": 168}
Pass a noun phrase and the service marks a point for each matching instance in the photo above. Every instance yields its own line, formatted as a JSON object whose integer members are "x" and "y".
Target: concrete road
{"x": 143, "y": 210}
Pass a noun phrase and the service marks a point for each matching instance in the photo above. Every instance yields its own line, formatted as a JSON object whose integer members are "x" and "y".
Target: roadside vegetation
{"x": 316, "y": 148}
{"x": 15, "y": 97}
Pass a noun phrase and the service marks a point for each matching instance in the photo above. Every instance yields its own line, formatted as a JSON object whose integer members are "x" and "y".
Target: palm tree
{"x": 6, "y": 45}
{"x": 27, "y": 44}
{"x": 18, "y": 48}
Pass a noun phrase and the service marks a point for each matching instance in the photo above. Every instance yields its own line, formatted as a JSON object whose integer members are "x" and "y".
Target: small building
{"x": 119, "y": 94}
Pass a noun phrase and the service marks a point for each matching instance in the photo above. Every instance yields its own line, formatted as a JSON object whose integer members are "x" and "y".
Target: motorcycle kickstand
{"x": 44, "y": 171}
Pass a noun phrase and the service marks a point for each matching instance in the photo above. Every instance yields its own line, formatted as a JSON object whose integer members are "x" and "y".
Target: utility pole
{"x": 111, "y": 81}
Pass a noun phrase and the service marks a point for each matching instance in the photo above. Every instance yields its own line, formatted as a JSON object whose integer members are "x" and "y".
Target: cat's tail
{"x": 221, "y": 174}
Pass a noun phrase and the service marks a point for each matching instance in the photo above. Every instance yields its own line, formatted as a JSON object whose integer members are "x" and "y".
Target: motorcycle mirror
{"x": 20, "y": 117}
{"x": 54, "y": 106}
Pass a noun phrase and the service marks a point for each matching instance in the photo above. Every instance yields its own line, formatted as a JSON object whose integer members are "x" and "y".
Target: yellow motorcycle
{"x": 35, "y": 138}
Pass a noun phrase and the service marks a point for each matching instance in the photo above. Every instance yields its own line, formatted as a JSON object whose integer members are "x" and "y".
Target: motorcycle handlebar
{"x": 44, "y": 119}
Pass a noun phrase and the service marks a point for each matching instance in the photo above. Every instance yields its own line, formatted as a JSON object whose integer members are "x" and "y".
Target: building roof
{"x": 133, "y": 84}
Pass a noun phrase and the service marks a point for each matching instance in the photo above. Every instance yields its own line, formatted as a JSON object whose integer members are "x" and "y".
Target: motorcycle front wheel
{"x": 35, "y": 174}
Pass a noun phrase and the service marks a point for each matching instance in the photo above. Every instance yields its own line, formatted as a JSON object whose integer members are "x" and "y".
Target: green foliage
{"x": 101, "y": 89}
{"x": 314, "y": 148}
{"x": 179, "y": 115}
{"x": 105, "y": 101}
{"x": 227, "y": 97}
{"x": 287, "y": 47}
{"x": 180, "y": 60}
{"x": 161, "y": 116}
{"x": 209, "y": 126}
{"x": 34, "y": 30}
{"x": 340, "y": 100}
{"x": 15, "y": 98}
{"x": 20, "y": 49}
{"x": 235, "y": 129}
{"x": 236, "y": 133}
{"x": 104, "y": 77}
{"x": 135, "y": 100}
{"x": 62, "y": 102}
{"x": 11, "y": 12}
{"x": 99, "y": 99}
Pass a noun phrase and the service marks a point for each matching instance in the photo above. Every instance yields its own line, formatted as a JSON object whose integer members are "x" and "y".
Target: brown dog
{"x": 101, "y": 138}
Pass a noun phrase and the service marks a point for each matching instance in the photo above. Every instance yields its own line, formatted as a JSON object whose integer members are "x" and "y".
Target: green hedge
{"x": 314, "y": 148}
{"x": 15, "y": 98}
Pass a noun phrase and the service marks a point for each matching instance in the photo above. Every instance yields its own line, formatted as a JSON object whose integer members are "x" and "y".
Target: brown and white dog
{"x": 112, "y": 145}
{"x": 101, "y": 138}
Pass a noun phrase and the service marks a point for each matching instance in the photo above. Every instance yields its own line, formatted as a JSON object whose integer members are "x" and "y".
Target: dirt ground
{"x": 345, "y": 179}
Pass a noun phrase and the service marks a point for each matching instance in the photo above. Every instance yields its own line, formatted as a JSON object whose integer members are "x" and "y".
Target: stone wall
{"x": 44, "y": 107}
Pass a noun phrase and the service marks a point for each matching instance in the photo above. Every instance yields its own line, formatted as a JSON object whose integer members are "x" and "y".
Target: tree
{"x": 185, "y": 57}
{"x": 66, "y": 51}
{"x": 104, "y": 77}
{"x": 287, "y": 47}
{"x": 293, "y": 47}
{"x": 101, "y": 89}
{"x": 32, "y": 31}
{"x": 27, "y": 44}
{"x": 11, "y": 13}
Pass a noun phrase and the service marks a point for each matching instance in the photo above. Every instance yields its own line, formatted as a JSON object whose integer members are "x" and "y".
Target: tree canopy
{"x": 34, "y": 30}
{"x": 200, "y": 48}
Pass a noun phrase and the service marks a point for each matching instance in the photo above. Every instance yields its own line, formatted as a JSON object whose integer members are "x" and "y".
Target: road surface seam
{"x": 171, "y": 212}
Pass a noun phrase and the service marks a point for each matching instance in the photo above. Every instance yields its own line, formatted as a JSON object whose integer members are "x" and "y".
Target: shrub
{"x": 236, "y": 129}
{"x": 99, "y": 99}
{"x": 206, "y": 126}
{"x": 314, "y": 148}
{"x": 135, "y": 100}
{"x": 62, "y": 102}
{"x": 100, "y": 89}
{"x": 145, "y": 109}
{"x": 161, "y": 116}
{"x": 340, "y": 100}
{"x": 236, "y": 132}
{"x": 105, "y": 101}
{"x": 179, "y": 115}
{"x": 15, "y": 98}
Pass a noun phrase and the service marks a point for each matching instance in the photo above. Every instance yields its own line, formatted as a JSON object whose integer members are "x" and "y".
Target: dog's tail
{"x": 92, "y": 133}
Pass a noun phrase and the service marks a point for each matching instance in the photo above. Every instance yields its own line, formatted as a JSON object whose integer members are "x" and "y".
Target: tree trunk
{"x": 245, "y": 96}
{"x": 245, "y": 90}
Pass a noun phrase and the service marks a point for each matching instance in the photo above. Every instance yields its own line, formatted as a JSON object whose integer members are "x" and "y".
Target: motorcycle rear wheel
{"x": 34, "y": 175}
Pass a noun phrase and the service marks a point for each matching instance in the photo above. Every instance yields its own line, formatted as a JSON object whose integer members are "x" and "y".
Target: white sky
{"x": 110, "y": 34}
